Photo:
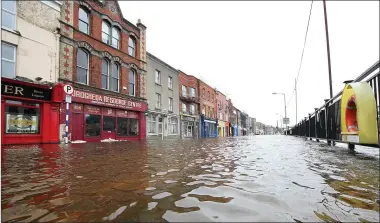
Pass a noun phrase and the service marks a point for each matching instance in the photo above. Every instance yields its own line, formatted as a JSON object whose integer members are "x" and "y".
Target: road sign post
{"x": 68, "y": 90}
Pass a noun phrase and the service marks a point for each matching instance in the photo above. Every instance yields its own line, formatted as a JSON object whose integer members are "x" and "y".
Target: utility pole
{"x": 328, "y": 48}
{"x": 295, "y": 91}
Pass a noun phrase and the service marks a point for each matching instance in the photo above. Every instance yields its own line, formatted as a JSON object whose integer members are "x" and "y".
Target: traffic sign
{"x": 68, "y": 89}
{"x": 68, "y": 98}
{"x": 285, "y": 121}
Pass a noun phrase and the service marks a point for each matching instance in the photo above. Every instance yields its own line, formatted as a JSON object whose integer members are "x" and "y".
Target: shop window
{"x": 122, "y": 126}
{"x": 22, "y": 117}
{"x": 133, "y": 129}
{"x": 108, "y": 123}
{"x": 8, "y": 60}
{"x": 173, "y": 125}
{"x": 92, "y": 125}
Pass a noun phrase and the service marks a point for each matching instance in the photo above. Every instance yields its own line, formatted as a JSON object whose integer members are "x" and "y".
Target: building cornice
{"x": 158, "y": 60}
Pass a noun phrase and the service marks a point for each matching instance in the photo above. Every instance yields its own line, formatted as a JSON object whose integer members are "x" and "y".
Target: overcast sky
{"x": 250, "y": 49}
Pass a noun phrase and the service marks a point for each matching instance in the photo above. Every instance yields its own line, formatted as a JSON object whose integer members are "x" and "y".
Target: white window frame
{"x": 14, "y": 57}
{"x": 133, "y": 40}
{"x": 116, "y": 30}
{"x": 13, "y": 13}
{"x": 184, "y": 90}
{"x": 108, "y": 74}
{"x": 172, "y": 125}
{"x": 170, "y": 82}
{"x": 56, "y": 5}
{"x": 88, "y": 65}
{"x": 157, "y": 77}
{"x": 184, "y": 107}
{"x": 108, "y": 34}
{"x": 158, "y": 100}
{"x": 192, "y": 90}
{"x": 134, "y": 82}
{"x": 170, "y": 104}
{"x": 192, "y": 109}
{"x": 152, "y": 122}
{"x": 88, "y": 20}
{"x": 117, "y": 78}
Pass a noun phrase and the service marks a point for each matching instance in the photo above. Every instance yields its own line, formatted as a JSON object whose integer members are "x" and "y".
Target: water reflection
{"x": 260, "y": 178}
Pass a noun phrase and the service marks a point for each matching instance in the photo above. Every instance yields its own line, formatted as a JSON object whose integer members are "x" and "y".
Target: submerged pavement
{"x": 254, "y": 178}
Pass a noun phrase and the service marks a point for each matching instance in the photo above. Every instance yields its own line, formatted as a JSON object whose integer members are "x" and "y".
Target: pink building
{"x": 222, "y": 114}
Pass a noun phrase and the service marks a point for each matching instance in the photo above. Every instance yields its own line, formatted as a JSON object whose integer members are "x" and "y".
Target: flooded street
{"x": 255, "y": 178}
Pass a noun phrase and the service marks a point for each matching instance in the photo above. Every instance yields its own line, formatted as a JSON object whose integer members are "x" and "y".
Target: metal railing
{"x": 324, "y": 122}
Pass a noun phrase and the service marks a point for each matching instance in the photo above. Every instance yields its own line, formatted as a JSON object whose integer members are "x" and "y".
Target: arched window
{"x": 105, "y": 74}
{"x": 115, "y": 37}
{"x": 106, "y": 32}
{"x": 83, "y": 22}
{"x": 82, "y": 66}
{"x": 131, "y": 47}
{"x": 132, "y": 83}
{"x": 115, "y": 77}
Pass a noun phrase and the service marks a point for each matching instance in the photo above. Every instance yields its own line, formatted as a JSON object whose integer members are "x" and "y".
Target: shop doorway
{"x": 77, "y": 127}
{"x": 109, "y": 127}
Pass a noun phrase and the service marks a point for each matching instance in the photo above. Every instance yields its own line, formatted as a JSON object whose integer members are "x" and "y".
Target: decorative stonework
{"x": 143, "y": 85}
{"x": 107, "y": 55}
{"x": 67, "y": 15}
{"x": 66, "y": 61}
{"x": 85, "y": 45}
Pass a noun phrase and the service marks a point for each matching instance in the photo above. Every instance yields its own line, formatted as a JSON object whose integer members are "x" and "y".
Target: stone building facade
{"x": 103, "y": 57}
{"x": 163, "y": 99}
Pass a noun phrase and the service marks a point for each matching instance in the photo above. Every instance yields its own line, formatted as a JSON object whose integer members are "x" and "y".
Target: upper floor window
{"x": 132, "y": 83}
{"x": 8, "y": 60}
{"x": 212, "y": 98}
{"x": 8, "y": 14}
{"x": 83, "y": 22}
{"x": 208, "y": 95}
{"x": 115, "y": 37}
{"x": 203, "y": 93}
{"x": 184, "y": 107}
{"x": 192, "y": 92}
{"x": 158, "y": 77}
{"x": 158, "y": 100}
{"x": 106, "y": 32}
{"x": 82, "y": 66}
{"x": 131, "y": 47}
{"x": 192, "y": 109}
{"x": 170, "y": 82}
{"x": 171, "y": 104}
{"x": 115, "y": 77}
{"x": 105, "y": 73}
{"x": 184, "y": 90}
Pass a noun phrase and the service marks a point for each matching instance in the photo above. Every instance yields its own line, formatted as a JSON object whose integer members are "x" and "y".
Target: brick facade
{"x": 222, "y": 106}
{"x": 207, "y": 102}
{"x": 190, "y": 82}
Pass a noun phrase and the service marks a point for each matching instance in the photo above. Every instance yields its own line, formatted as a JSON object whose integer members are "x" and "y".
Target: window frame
{"x": 170, "y": 82}
{"x": 117, "y": 78}
{"x": 7, "y": 60}
{"x": 108, "y": 34}
{"x": 118, "y": 31}
{"x": 158, "y": 100}
{"x": 108, "y": 74}
{"x": 88, "y": 65}
{"x": 184, "y": 108}
{"x": 157, "y": 77}
{"x": 133, "y": 40}
{"x": 170, "y": 107}
{"x": 88, "y": 20}
{"x": 152, "y": 122}
{"x": 134, "y": 82}
{"x": 192, "y": 111}
{"x": 13, "y": 13}
{"x": 184, "y": 93}
{"x": 37, "y": 106}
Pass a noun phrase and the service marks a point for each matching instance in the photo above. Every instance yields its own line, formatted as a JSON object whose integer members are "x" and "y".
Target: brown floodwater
{"x": 255, "y": 178}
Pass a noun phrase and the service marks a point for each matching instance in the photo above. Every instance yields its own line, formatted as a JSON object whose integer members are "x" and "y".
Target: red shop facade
{"x": 29, "y": 112}
{"x": 94, "y": 117}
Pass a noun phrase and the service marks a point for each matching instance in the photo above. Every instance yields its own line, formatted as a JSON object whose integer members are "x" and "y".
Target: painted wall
{"x": 37, "y": 44}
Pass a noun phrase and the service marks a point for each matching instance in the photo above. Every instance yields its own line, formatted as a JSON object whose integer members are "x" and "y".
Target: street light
{"x": 286, "y": 125}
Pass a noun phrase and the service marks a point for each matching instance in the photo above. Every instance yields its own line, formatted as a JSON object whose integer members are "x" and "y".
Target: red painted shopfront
{"x": 29, "y": 112}
{"x": 96, "y": 117}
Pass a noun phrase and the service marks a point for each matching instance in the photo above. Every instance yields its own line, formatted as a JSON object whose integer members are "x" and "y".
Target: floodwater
{"x": 254, "y": 178}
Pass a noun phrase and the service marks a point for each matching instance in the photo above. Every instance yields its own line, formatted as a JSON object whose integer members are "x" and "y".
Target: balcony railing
{"x": 189, "y": 97}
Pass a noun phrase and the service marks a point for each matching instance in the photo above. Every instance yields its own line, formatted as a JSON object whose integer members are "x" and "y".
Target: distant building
{"x": 222, "y": 114}
{"x": 253, "y": 125}
{"x": 163, "y": 97}
{"x": 232, "y": 111}
{"x": 209, "y": 121}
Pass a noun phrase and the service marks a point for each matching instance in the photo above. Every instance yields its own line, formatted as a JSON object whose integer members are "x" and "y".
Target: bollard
{"x": 351, "y": 146}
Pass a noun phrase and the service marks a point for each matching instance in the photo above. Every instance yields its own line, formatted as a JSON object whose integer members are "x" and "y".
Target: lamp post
{"x": 286, "y": 125}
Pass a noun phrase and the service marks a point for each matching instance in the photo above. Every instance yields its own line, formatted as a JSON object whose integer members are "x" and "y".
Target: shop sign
{"x": 127, "y": 114}
{"x": 21, "y": 124}
{"x": 190, "y": 119}
{"x": 104, "y": 100}
{"x": 24, "y": 91}
{"x": 108, "y": 111}
{"x": 92, "y": 110}
{"x": 77, "y": 108}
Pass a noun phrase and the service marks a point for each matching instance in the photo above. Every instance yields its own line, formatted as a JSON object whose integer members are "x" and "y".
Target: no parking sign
{"x": 68, "y": 89}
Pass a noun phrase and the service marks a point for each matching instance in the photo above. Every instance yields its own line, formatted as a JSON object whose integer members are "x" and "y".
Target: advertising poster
{"x": 21, "y": 123}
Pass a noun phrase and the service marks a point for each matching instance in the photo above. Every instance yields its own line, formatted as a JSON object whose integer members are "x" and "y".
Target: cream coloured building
{"x": 30, "y": 40}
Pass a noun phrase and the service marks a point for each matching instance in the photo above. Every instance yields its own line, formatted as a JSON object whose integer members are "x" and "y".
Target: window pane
{"x": 82, "y": 58}
{"x": 133, "y": 127}
{"x": 81, "y": 75}
{"x": 115, "y": 43}
{"x": 105, "y": 28}
{"x": 108, "y": 123}
{"x": 92, "y": 125}
{"x": 105, "y": 38}
{"x": 115, "y": 70}
{"x": 131, "y": 76}
{"x": 122, "y": 126}
{"x": 9, "y": 5}
{"x": 115, "y": 33}
{"x": 8, "y": 69}
{"x": 131, "y": 42}
{"x": 8, "y": 52}
{"x": 105, "y": 67}
{"x": 131, "y": 89}
{"x": 83, "y": 27}
{"x": 83, "y": 15}
{"x": 104, "y": 82}
{"x": 21, "y": 120}
{"x": 115, "y": 84}
{"x": 8, "y": 20}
